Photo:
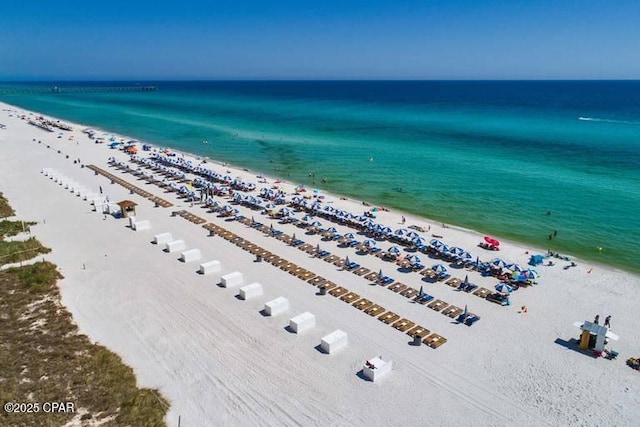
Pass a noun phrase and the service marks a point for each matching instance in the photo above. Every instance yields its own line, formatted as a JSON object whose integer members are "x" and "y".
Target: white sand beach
{"x": 219, "y": 361}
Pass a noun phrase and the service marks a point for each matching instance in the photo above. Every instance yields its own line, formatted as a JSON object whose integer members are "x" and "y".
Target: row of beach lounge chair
{"x": 404, "y": 290}
{"x": 132, "y": 188}
{"x": 368, "y": 307}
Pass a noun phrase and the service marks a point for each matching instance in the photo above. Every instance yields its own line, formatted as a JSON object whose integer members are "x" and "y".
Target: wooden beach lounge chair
{"x": 338, "y": 291}
{"x": 317, "y": 281}
{"x": 403, "y": 325}
{"x": 350, "y": 297}
{"x": 329, "y": 285}
{"x": 482, "y": 292}
{"x": 372, "y": 277}
{"x": 388, "y": 317}
{"x": 278, "y": 262}
{"x": 397, "y": 287}
{"x": 339, "y": 262}
{"x": 361, "y": 271}
{"x": 362, "y": 304}
{"x": 427, "y": 272}
{"x": 418, "y": 331}
{"x": 375, "y": 310}
{"x": 452, "y": 311}
{"x": 437, "y": 305}
{"x": 307, "y": 275}
{"x": 331, "y": 259}
{"x": 454, "y": 282}
{"x": 269, "y": 256}
{"x": 288, "y": 266}
{"x": 409, "y": 292}
{"x": 434, "y": 340}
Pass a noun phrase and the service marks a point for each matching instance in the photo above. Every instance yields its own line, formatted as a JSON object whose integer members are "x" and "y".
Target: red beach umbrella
{"x": 491, "y": 241}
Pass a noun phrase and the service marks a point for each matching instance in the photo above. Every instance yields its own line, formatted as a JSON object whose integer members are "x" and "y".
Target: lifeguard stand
{"x": 128, "y": 208}
{"x": 594, "y": 336}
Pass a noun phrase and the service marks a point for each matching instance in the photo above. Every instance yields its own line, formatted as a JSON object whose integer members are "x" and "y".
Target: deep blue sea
{"x": 491, "y": 156}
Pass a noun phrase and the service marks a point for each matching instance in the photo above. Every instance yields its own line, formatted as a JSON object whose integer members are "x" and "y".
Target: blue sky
{"x": 349, "y": 39}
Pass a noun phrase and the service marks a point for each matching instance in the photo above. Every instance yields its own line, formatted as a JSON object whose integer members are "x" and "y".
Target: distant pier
{"x": 75, "y": 89}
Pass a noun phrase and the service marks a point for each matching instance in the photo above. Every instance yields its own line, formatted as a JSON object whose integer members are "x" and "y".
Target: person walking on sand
{"x": 607, "y": 321}
{"x": 597, "y": 319}
{"x": 404, "y": 220}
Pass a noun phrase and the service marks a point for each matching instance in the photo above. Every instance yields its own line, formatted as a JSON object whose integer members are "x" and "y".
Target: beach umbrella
{"x": 443, "y": 249}
{"x": 386, "y": 230}
{"x": 530, "y": 274}
{"x": 413, "y": 259}
{"x": 421, "y": 291}
{"x": 380, "y": 275}
{"x": 349, "y": 236}
{"x": 436, "y": 244}
{"x": 369, "y": 243}
{"x": 466, "y": 279}
{"x": 346, "y": 260}
{"x": 329, "y": 231}
{"x": 368, "y": 223}
{"x": 514, "y": 267}
{"x": 465, "y": 255}
{"x": 418, "y": 241}
{"x": 401, "y": 232}
{"x": 491, "y": 241}
{"x": 394, "y": 250}
{"x": 411, "y": 235}
{"x": 498, "y": 262}
{"x": 439, "y": 269}
{"x": 456, "y": 250}
{"x": 284, "y": 211}
{"x": 466, "y": 311}
{"x": 504, "y": 288}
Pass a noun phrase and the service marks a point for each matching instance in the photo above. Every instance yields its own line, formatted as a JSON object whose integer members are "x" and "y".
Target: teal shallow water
{"x": 490, "y": 156}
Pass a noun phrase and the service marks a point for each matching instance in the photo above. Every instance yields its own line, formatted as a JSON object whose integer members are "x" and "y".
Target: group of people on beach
{"x": 607, "y": 320}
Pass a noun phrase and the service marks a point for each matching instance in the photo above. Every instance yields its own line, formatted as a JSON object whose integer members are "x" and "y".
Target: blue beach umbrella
{"x": 504, "y": 288}
{"x": 443, "y": 249}
{"x": 401, "y": 232}
{"x": 413, "y": 259}
{"x": 498, "y": 262}
{"x": 439, "y": 269}
{"x": 394, "y": 250}
{"x": 436, "y": 244}
{"x": 514, "y": 267}
{"x": 411, "y": 235}
{"x": 418, "y": 242}
{"x": 456, "y": 250}
{"x": 369, "y": 243}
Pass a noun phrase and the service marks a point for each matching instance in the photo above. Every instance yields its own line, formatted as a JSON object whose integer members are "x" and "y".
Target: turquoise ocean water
{"x": 490, "y": 156}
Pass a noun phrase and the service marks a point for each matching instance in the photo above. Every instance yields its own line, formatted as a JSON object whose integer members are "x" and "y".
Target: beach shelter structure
{"x": 128, "y": 208}
{"x": 593, "y": 336}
